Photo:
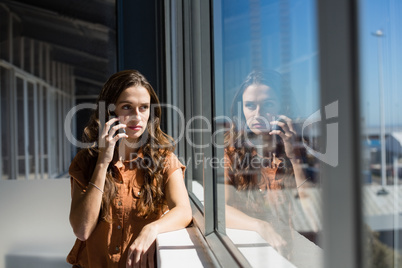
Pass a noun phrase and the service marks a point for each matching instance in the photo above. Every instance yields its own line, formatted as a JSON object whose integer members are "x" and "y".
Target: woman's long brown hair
{"x": 155, "y": 145}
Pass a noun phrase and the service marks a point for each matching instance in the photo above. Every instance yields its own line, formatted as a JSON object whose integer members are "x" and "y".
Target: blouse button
{"x": 119, "y": 203}
{"x": 119, "y": 227}
{"x": 117, "y": 248}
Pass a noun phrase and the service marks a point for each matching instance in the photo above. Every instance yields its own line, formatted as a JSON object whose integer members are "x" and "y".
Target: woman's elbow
{"x": 81, "y": 234}
{"x": 188, "y": 215}
{"x": 80, "y": 231}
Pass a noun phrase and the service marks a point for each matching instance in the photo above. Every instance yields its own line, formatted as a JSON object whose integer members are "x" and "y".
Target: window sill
{"x": 256, "y": 250}
{"x": 259, "y": 253}
{"x": 182, "y": 247}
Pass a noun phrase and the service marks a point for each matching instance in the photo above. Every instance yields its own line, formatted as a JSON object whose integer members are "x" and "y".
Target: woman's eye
{"x": 250, "y": 106}
{"x": 144, "y": 107}
{"x": 126, "y": 107}
{"x": 269, "y": 104}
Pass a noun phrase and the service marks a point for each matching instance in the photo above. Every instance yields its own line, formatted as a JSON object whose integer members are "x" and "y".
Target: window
{"x": 205, "y": 69}
{"x": 266, "y": 59}
{"x": 309, "y": 50}
{"x": 51, "y": 57}
{"x": 190, "y": 84}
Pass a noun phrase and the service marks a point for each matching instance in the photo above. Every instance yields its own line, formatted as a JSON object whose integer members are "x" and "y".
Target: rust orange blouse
{"x": 108, "y": 245}
{"x": 266, "y": 196}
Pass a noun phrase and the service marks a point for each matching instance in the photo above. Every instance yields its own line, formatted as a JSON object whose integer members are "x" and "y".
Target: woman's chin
{"x": 133, "y": 139}
{"x": 260, "y": 131}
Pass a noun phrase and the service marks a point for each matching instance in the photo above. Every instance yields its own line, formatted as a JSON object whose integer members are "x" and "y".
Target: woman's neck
{"x": 127, "y": 151}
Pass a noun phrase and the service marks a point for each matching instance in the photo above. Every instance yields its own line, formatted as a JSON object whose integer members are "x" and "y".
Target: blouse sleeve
{"x": 172, "y": 163}
{"x": 81, "y": 169}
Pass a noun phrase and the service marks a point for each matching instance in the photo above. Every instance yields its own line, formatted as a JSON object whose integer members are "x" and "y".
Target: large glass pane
{"x": 381, "y": 55}
{"x": 266, "y": 133}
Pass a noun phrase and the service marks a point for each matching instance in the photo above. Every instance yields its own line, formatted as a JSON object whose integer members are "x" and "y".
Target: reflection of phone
{"x": 276, "y": 127}
{"x": 276, "y": 137}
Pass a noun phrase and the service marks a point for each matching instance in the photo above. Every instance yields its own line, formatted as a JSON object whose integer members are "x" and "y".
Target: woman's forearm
{"x": 85, "y": 206}
{"x": 237, "y": 219}
{"x": 177, "y": 218}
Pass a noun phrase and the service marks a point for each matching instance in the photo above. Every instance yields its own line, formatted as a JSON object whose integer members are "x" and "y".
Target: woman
{"x": 261, "y": 161}
{"x": 128, "y": 187}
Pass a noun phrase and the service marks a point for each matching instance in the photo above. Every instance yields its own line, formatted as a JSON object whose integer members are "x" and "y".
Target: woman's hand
{"x": 108, "y": 140}
{"x": 141, "y": 253}
{"x": 271, "y": 236}
{"x": 286, "y": 132}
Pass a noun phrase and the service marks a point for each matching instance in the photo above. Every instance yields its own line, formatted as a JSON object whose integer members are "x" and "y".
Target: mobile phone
{"x": 120, "y": 130}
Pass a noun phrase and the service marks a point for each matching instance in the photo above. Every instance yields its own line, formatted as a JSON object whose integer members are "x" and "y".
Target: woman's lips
{"x": 135, "y": 128}
{"x": 259, "y": 126}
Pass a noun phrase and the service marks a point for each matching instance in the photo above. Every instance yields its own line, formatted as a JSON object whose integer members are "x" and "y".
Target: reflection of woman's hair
{"x": 245, "y": 174}
{"x": 151, "y": 198}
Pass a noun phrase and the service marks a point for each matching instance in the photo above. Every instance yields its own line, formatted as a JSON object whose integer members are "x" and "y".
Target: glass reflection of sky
{"x": 296, "y": 24}
{"x": 262, "y": 32}
{"x": 384, "y": 15}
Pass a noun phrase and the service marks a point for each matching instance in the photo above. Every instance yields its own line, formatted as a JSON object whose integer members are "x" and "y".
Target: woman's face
{"x": 260, "y": 106}
{"x": 132, "y": 108}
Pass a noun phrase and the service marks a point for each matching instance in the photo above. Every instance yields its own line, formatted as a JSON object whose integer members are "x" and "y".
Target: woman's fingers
{"x": 110, "y": 137}
{"x": 289, "y": 123}
{"x": 129, "y": 263}
{"x": 286, "y": 130}
{"x": 119, "y": 136}
{"x": 138, "y": 257}
{"x": 108, "y": 124}
{"x": 114, "y": 129}
{"x": 141, "y": 255}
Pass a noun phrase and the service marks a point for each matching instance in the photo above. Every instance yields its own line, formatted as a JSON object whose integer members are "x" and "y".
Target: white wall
{"x": 34, "y": 226}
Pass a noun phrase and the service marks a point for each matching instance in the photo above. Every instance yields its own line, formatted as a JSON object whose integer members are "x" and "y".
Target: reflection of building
{"x": 393, "y": 144}
{"x": 393, "y": 150}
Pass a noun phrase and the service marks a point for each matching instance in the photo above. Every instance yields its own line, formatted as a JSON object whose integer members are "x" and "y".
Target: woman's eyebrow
{"x": 129, "y": 102}
{"x": 123, "y": 102}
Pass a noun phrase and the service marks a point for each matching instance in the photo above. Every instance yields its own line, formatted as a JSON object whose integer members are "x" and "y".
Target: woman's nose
{"x": 135, "y": 115}
{"x": 258, "y": 111}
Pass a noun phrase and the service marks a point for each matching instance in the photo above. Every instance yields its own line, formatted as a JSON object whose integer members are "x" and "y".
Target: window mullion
{"x": 339, "y": 86}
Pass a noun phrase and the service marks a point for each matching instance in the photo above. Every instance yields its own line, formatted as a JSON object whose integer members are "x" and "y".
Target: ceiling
{"x": 82, "y": 33}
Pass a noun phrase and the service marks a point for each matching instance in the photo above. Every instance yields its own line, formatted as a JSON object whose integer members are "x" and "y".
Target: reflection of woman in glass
{"x": 261, "y": 161}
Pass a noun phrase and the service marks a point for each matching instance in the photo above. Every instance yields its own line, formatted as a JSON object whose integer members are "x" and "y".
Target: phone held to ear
{"x": 120, "y": 130}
